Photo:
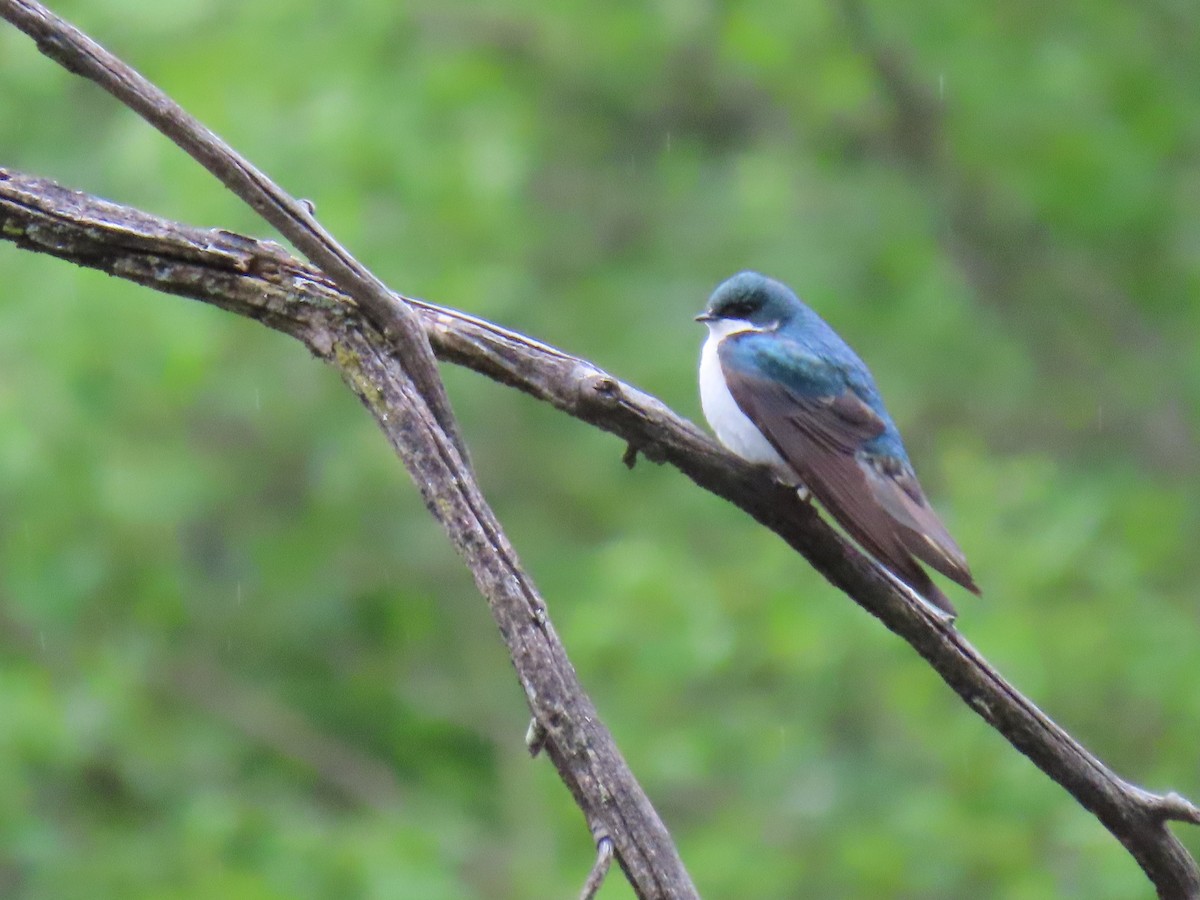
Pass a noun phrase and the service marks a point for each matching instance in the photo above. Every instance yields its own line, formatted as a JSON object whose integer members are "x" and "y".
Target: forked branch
{"x": 387, "y": 360}
{"x": 257, "y": 279}
{"x": 378, "y": 351}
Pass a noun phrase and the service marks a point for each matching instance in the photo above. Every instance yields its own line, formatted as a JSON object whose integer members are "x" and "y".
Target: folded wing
{"x": 877, "y": 500}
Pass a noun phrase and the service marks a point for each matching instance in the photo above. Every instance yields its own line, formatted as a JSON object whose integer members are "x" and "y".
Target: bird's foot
{"x": 789, "y": 479}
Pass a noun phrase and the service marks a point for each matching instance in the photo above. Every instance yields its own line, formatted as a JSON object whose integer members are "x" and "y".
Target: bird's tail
{"x": 918, "y": 581}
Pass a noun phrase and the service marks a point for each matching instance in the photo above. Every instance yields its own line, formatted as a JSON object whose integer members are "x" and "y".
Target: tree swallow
{"x": 781, "y": 388}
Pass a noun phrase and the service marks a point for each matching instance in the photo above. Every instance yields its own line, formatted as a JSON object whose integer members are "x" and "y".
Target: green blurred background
{"x": 237, "y": 659}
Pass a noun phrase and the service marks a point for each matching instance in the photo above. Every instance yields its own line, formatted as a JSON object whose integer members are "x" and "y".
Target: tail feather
{"x": 918, "y": 581}
{"x": 932, "y": 554}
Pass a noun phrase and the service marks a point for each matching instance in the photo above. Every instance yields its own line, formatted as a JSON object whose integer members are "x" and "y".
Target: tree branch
{"x": 259, "y": 280}
{"x": 384, "y": 356}
{"x": 77, "y": 53}
{"x": 404, "y": 393}
{"x": 334, "y": 328}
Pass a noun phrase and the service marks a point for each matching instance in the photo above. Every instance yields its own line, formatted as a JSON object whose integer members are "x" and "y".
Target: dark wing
{"x": 921, "y": 530}
{"x": 882, "y": 507}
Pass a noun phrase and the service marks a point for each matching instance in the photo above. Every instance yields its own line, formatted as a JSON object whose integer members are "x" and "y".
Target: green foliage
{"x": 236, "y": 657}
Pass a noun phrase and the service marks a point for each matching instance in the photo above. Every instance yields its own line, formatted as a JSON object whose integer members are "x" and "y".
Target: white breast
{"x": 732, "y": 427}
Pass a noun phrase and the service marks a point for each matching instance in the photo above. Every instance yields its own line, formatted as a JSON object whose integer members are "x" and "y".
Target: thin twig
{"x": 604, "y": 857}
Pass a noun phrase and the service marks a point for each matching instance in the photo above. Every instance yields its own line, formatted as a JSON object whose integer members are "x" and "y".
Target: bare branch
{"x": 259, "y": 280}
{"x": 404, "y": 392}
{"x": 76, "y": 52}
{"x": 595, "y": 879}
{"x": 333, "y": 328}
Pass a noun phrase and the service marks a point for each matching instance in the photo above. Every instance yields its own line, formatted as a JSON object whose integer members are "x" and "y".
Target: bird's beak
{"x": 705, "y": 317}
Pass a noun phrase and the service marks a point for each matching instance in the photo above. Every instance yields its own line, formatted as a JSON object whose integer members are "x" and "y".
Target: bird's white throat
{"x": 733, "y": 428}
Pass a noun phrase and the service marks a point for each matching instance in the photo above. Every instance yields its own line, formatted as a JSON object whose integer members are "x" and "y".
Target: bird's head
{"x": 749, "y": 300}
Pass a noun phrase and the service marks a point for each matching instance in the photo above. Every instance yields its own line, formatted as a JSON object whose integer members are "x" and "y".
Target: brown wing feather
{"x": 920, "y": 528}
{"x": 888, "y": 517}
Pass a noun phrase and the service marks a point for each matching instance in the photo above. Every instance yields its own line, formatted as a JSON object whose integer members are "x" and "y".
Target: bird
{"x": 781, "y": 388}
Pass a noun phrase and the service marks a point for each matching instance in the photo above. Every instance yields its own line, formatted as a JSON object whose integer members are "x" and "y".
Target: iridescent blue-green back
{"x": 812, "y": 359}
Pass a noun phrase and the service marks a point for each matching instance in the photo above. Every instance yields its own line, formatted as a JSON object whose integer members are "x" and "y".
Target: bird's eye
{"x": 738, "y": 310}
